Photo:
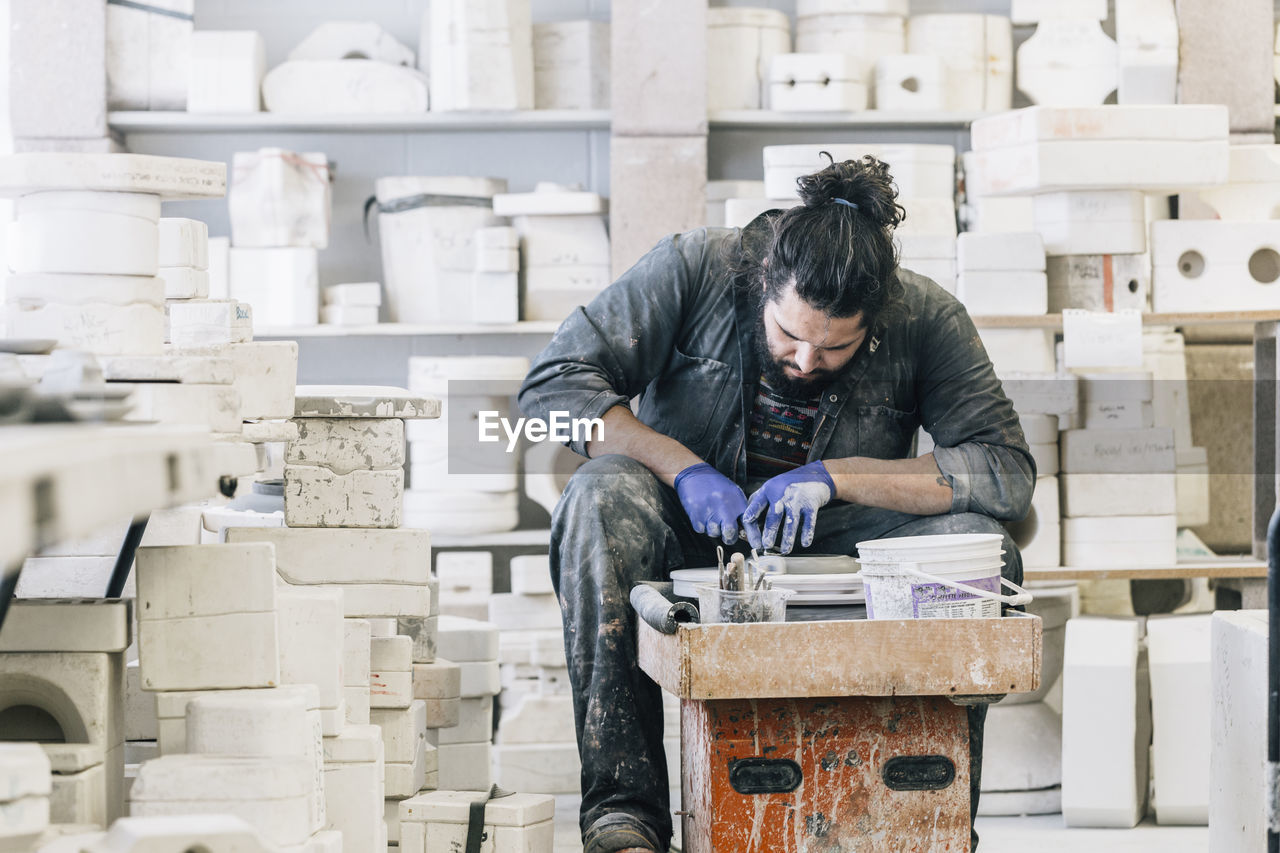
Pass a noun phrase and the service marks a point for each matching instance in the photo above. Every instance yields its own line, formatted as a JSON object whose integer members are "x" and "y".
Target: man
{"x": 793, "y": 358}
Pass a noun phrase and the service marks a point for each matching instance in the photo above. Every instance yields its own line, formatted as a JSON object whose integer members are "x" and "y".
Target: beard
{"x": 774, "y": 369}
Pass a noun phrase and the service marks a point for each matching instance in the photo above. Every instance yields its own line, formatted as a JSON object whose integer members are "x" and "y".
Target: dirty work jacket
{"x": 677, "y": 332}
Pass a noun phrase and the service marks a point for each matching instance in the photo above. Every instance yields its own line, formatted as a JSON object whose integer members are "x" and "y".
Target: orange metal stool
{"x": 821, "y": 737}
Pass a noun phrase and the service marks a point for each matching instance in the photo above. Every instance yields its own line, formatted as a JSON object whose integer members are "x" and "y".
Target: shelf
{"x": 1223, "y": 567}
{"x": 548, "y": 327}
{"x": 148, "y": 121}
{"x": 1054, "y": 321}
{"x": 766, "y": 119}
{"x": 529, "y": 327}
{"x": 509, "y": 539}
{"x": 173, "y": 121}
{"x": 65, "y": 481}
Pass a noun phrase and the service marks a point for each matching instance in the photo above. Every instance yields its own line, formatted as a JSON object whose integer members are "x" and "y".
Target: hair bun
{"x": 865, "y": 182}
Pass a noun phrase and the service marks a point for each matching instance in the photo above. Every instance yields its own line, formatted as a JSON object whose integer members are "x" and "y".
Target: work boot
{"x": 619, "y": 832}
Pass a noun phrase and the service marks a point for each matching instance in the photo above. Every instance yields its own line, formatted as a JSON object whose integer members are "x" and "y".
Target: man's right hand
{"x": 714, "y": 502}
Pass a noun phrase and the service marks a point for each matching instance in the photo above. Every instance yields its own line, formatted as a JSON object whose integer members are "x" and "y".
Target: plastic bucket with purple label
{"x": 935, "y": 577}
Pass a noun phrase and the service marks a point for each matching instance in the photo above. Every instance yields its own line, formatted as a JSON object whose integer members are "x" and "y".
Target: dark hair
{"x": 837, "y": 247}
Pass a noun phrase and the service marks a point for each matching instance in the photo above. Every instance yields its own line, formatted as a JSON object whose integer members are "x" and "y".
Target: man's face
{"x": 800, "y": 348}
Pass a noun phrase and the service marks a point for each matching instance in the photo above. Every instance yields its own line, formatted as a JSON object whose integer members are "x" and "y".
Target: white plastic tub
{"x": 951, "y": 576}
{"x": 427, "y": 232}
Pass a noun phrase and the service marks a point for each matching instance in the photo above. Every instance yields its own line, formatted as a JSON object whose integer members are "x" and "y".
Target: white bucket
{"x": 935, "y": 577}
{"x": 427, "y": 231}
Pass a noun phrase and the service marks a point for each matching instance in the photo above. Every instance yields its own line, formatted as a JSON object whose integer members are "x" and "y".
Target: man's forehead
{"x": 801, "y": 320}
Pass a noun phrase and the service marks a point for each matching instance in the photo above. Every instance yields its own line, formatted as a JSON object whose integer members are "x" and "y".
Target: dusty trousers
{"x": 617, "y": 525}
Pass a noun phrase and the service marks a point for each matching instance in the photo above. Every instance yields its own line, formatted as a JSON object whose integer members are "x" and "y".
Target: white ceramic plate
{"x": 816, "y": 600}
{"x": 810, "y": 589}
{"x": 820, "y": 564}
{"x": 813, "y": 582}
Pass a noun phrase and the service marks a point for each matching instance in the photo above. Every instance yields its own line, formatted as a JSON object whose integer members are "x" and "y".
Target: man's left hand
{"x": 791, "y": 502}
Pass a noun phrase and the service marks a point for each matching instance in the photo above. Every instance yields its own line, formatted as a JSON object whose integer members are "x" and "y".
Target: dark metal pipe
{"x": 8, "y": 586}
{"x": 124, "y": 560}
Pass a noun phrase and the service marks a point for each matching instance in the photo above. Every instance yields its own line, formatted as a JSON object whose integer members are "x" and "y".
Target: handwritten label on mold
{"x": 1123, "y": 451}
{"x": 1101, "y": 339}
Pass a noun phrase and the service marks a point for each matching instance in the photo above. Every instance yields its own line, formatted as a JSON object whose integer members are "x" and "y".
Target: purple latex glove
{"x": 713, "y": 501}
{"x": 794, "y": 498}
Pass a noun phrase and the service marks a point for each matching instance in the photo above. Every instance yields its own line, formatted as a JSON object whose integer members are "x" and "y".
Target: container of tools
{"x": 717, "y": 605}
{"x": 744, "y": 593}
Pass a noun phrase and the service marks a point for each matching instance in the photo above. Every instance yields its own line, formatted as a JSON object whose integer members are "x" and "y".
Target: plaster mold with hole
{"x": 976, "y": 52}
{"x": 71, "y": 701}
{"x": 1210, "y": 265}
{"x": 911, "y": 82}
{"x": 1099, "y": 282}
{"x": 817, "y": 82}
{"x": 866, "y": 37}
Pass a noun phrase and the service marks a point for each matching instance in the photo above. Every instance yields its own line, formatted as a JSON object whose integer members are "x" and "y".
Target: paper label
{"x": 1100, "y": 339}
{"x": 939, "y": 601}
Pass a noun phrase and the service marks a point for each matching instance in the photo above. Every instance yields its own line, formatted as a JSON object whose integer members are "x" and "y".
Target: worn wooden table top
{"x": 923, "y": 657}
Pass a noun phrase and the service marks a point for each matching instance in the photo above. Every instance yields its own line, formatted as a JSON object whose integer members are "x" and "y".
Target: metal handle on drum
{"x": 765, "y": 775}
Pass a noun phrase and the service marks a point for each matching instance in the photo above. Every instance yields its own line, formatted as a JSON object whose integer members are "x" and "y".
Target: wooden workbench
{"x": 912, "y": 657}
{"x": 801, "y": 737}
